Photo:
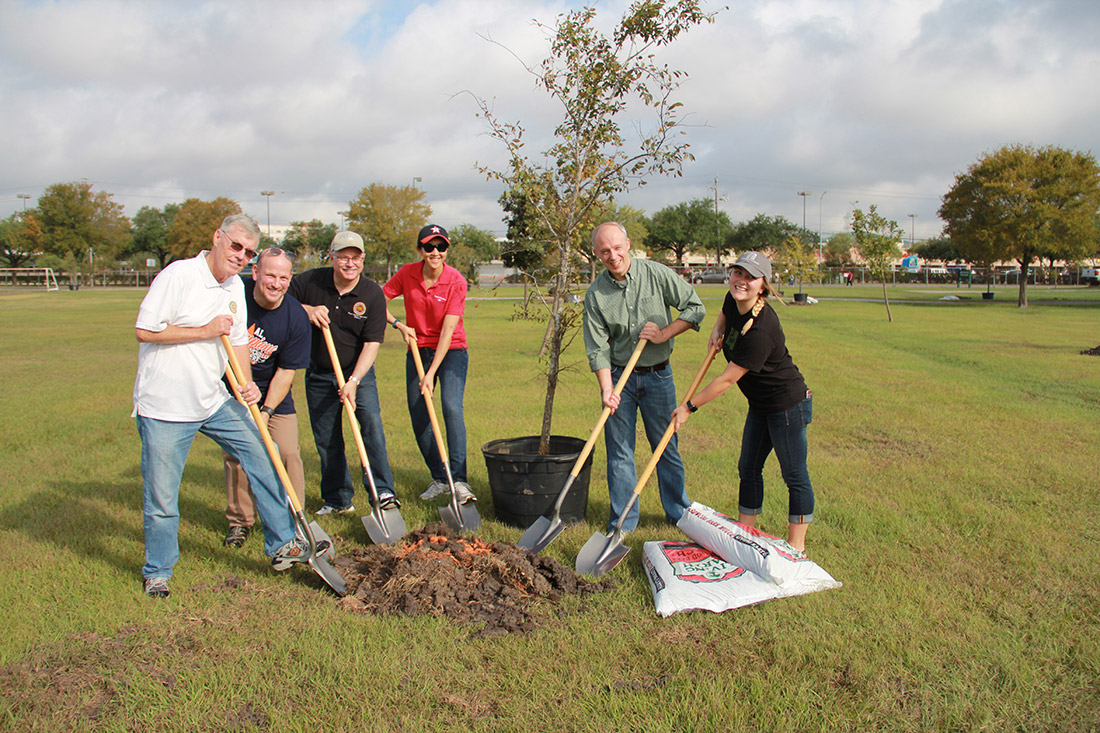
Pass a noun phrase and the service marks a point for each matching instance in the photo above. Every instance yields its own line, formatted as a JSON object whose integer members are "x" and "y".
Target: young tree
{"x": 1021, "y": 201}
{"x": 309, "y": 237}
{"x": 149, "y": 231}
{"x": 594, "y": 78}
{"x": 689, "y": 226}
{"x": 470, "y": 248}
{"x": 20, "y": 238}
{"x": 194, "y": 225}
{"x": 877, "y": 241}
{"x": 388, "y": 218}
{"x": 799, "y": 257}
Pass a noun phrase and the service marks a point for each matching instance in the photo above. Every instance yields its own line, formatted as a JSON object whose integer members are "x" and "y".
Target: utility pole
{"x": 804, "y": 194}
{"x": 268, "y": 194}
{"x": 717, "y": 227}
{"x": 913, "y": 231}
{"x": 23, "y": 196}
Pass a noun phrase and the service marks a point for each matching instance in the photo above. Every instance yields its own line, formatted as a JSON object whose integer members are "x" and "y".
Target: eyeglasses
{"x": 347, "y": 259}
{"x": 432, "y": 246}
{"x": 237, "y": 246}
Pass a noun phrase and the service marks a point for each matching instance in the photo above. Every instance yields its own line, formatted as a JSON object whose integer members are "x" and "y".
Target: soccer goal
{"x": 29, "y": 276}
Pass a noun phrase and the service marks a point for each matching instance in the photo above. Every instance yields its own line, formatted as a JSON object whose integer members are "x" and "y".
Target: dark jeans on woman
{"x": 785, "y": 433}
{"x": 326, "y": 414}
{"x": 450, "y": 379}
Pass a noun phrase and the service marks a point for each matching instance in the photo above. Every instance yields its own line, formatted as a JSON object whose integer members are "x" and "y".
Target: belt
{"x": 648, "y": 369}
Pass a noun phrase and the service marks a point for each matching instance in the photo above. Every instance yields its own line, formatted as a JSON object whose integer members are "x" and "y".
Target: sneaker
{"x": 236, "y": 536}
{"x": 435, "y": 488}
{"x": 326, "y": 509}
{"x": 465, "y": 494}
{"x": 388, "y": 501}
{"x": 157, "y": 588}
{"x": 296, "y": 551}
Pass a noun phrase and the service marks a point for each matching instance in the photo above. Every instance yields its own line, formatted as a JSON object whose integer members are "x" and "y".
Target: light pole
{"x": 820, "y": 245}
{"x": 804, "y": 194}
{"x": 23, "y": 196}
{"x": 416, "y": 180}
{"x": 913, "y": 231}
{"x": 268, "y": 194}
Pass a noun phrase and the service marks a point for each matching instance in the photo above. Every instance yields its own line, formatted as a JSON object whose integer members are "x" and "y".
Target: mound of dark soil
{"x": 1094, "y": 351}
{"x": 436, "y": 572}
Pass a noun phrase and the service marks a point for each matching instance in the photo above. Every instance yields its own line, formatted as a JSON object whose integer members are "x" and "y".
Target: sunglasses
{"x": 432, "y": 247}
{"x": 237, "y": 246}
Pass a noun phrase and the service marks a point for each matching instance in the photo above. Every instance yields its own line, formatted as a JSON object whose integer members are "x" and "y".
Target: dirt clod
{"x": 1094, "y": 351}
{"x": 434, "y": 571}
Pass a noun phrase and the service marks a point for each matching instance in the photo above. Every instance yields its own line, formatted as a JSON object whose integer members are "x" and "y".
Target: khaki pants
{"x": 240, "y": 509}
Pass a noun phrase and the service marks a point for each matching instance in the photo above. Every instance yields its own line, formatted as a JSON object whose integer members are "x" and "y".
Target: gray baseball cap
{"x": 755, "y": 263}
{"x": 343, "y": 240}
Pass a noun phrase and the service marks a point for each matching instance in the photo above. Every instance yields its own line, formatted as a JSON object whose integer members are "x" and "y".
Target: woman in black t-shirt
{"x": 780, "y": 406}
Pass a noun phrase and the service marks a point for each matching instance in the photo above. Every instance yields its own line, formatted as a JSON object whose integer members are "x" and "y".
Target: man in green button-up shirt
{"x": 632, "y": 299}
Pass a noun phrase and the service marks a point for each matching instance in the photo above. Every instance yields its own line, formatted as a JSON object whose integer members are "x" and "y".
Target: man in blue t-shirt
{"x": 278, "y": 344}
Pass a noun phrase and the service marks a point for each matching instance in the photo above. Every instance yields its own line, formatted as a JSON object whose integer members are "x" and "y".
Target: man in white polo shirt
{"x": 179, "y": 392}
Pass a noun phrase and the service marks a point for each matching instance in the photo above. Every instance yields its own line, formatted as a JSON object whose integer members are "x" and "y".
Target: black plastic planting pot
{"x": 525, "y": 485}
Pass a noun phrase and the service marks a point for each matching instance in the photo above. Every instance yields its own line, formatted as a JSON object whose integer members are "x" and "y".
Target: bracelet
{"x": 691, "y": 406}
{"x": 267, "y": 410}
{"x": 355, "y": 379}
{"x": 395, "y": 322}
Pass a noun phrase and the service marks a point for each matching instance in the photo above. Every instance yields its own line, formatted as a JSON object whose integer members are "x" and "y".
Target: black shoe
{"x": 157, "y": 588}
{"x": 236, "y": 536}
{"x": 388, "y": 501}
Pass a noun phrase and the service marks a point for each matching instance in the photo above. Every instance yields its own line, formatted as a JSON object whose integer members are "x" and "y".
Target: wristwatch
{"x": 267, "y": 410}
{"x": 691, "y": 406}
{"x": 355, "y": 379}
{"x": 395, "y": 322}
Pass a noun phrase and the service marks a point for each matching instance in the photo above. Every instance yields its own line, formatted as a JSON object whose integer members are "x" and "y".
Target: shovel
{"x": 603, "y": 552}
{"x": 318, "y": 562}
{"x": 545, "y": 529}
{"x": 384, "y": 526}
{"x": 318, "y": 533}
{"x": 459, "y": 517}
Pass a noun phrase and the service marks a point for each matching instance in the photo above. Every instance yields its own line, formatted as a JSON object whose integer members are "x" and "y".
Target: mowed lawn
{"x": 954, "y": 457}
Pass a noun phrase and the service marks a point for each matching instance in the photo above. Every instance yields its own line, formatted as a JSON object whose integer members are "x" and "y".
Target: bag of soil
{"x": 685, "y": 577}
{"x": 756, "y": 551}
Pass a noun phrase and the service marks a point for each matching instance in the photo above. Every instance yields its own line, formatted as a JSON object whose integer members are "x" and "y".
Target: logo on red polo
{"x": 696, "y": 564}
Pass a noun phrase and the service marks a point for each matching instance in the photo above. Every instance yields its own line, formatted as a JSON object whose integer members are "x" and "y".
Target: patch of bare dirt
{"x": 433, "y": 571}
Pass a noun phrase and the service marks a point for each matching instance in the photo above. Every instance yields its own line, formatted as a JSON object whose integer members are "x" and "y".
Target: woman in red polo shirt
{"x": 435, "y": 300}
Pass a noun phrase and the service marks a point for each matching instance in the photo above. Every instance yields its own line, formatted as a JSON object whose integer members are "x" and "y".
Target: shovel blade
{"x": 540, "y": 534}
{"x": 328, "y": 574}
{"x": 385, "y": 526}
{"x": 601, "y": 554}
{"x": 320, "y": 534}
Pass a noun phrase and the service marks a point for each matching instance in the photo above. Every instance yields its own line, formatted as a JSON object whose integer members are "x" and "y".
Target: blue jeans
{"x": 785, "y": 433}
{"x": 326, "y": 414}
{"x": 451, "y": 378}
{"x": 654, "y": 394}
{"x": 164, "y": 449}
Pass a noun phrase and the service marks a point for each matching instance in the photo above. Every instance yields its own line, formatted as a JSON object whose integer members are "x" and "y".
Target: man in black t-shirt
{"x": 278, "y": 345}
{"x": 354, "y": 309}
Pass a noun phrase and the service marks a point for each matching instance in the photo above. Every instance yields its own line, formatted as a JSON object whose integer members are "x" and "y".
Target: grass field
{"x": 953, "y": 453}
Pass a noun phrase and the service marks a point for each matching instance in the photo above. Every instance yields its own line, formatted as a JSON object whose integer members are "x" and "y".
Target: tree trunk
{"x": 886, "y": 300}
{"x": 1021, "y": 300}
{"x": 553, "y": 367}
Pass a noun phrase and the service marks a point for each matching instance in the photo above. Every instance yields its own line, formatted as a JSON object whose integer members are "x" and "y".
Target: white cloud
{"x": 873, "y": 101}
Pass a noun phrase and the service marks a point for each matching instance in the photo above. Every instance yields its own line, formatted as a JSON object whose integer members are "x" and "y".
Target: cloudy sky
{"x": 872, "y": 101}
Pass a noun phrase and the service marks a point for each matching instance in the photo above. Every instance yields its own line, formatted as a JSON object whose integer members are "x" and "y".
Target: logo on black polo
{"x": 359, "y": 308}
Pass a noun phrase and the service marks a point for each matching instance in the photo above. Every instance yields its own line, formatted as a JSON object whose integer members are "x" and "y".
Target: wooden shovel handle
{"x": 237, "y": 374}
{"x": 619, "y": 386}
{"x": 431, "y": 408}
{"x": 671, "y": 429}
{"x": 349, "y": 408}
